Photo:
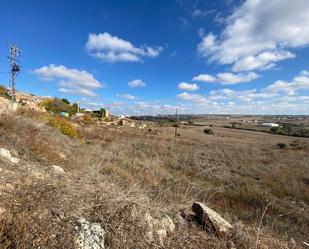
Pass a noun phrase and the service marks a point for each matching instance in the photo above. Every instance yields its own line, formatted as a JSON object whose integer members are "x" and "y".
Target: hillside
{"x": 137, "y": 184}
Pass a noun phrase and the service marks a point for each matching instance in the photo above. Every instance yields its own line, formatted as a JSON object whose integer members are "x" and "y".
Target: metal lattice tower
{"x": 15, "y": 69}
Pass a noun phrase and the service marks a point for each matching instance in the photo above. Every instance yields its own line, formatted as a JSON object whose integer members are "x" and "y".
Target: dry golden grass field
{"x": 114, "y": 175}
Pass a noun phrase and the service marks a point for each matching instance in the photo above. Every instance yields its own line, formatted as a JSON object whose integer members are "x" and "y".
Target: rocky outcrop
{"x": 158, "y": 228}
{"x": 57, "y": 169}
{"x": 6, "y": 155}
{"x": 89, "y": 235}
{"x": 210, "y": 219}
{"x": 2, "y": 212}
{"x": 4, "y": 105}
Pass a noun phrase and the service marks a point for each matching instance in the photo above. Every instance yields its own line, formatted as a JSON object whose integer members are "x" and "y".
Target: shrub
{"x": 4, "y": 92}
{"x": 64, "y": 126}
{"x": 208, "y": 131}
{"x": 282, "y": 145}
{"x": 87, "y": 118}
{"x": 66, "y": 101}
{"x": 58, "y": 105}
{"x": 278, "y": 131}
{"x": 190, "y": 122}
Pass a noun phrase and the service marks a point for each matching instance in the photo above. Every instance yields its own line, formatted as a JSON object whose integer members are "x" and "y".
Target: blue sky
{"x": 149, "y": 57}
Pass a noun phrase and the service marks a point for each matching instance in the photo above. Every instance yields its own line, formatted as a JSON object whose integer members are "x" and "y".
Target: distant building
{"x": 270, "y": 125}
{"x": 64, "y": 114}
{"x": 102, "y": 114}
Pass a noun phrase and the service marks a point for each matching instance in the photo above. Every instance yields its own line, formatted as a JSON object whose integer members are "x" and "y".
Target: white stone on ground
{"x": 58, "y": 169}
{"x": 211, "y": 219}
{"x": 158, "y": 228}
{"x": 6, "y": 154}
{"x": 89, "y": 235}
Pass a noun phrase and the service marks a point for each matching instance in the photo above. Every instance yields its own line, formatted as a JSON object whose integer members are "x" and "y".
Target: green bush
{"x": 4, "y": 92}
{"x": 66, "y": 101}
{"x": 64, "y": 126}
{"x": 282, "y": 145}
{"x": 278, "y": 131}
{"x": 58, "y": 105}
{"x": 208, "y": 131}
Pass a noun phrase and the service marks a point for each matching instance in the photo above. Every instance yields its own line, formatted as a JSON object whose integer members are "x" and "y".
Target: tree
{"x": 66, "y": 101}
{"x": 74, "y": 108}
{"x": 56, "y": 106}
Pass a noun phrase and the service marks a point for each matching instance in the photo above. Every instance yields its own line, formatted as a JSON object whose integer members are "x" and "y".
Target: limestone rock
{"x": 62, "y": 156}
{"x": 210, "y": 219}
{"x": 2, "y": 212}
{"x": 58, "y": 170}
{"x": 158, "y": 228}
{"x": 6, "y": 155}
{"x": 89, "y": 235}
{"x": 4, "y": 105}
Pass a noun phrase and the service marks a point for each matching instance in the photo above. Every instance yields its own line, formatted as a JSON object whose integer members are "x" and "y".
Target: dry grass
{"x": 113, "y": 171}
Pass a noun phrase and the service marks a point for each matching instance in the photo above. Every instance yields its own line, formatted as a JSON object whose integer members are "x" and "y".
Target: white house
{"x": 270, "y": 124}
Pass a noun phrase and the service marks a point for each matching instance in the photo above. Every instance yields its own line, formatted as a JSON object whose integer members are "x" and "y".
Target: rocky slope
{"x": 111, "y": 189}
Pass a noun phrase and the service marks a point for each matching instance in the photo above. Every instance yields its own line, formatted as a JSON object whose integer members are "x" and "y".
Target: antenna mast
{"x": 15, "y": 69}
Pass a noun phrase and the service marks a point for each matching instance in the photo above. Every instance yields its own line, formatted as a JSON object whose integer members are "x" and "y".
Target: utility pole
{"x": 77, "y": 107}
{"x": 176, "y": 123}
{"x": 14, "y": 69}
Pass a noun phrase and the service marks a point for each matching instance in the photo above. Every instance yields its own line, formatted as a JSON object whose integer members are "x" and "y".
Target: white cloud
{"x": 231, "y": 78}
{"x": 204, "y": 78}
{"x": 187, "y": 86}
{"x": 258, "y": 34}
{"x": 201, "y": 13}
{"x": 197, "y": 12}
{"x": 300, "y": 82}
{"x": 227, "y": 78}
{"x": 126, "y": 96}
{"x": 245, "y": 95}
{"x": 77, "y": 91}
{"x": 136, "y": 83}
{"x": 137, "y": 107}
{"x": 110, "y": 48}
{"x": 196, "y": 98}
{"x": 71, "y": 81}
{"x": 281, "y": 97}
{"x": 265, "y": 60}
{"x": 287, "y": 98}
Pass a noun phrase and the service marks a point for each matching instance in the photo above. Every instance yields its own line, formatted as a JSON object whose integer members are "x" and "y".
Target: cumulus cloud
{"x": 300, "y": 82}
{"x": 231, "y": 78}
{"x": 126, "y": 96}
{"x": 262, "y": 61}
{"x": 204, "y": 78}
{"x": 258, "y": 34}
{"x": 136, "y": 83}
{"x": 110, "y": 48}
{"x": 187, "y": 86}
{"x": 71, "y": 81}
{"x": 227, "y": 78}
{"x": 135, "y": 107}
{"x": 196, "y": 98}
{"x": 288, "y": 97}
{"x": 281, "y": 97}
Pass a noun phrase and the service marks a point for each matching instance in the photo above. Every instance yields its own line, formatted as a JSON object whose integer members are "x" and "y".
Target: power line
{"x": 14, "y": 69}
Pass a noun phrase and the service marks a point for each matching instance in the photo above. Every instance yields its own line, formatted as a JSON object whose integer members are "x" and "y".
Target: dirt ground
{"x": 240, "y": 174}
